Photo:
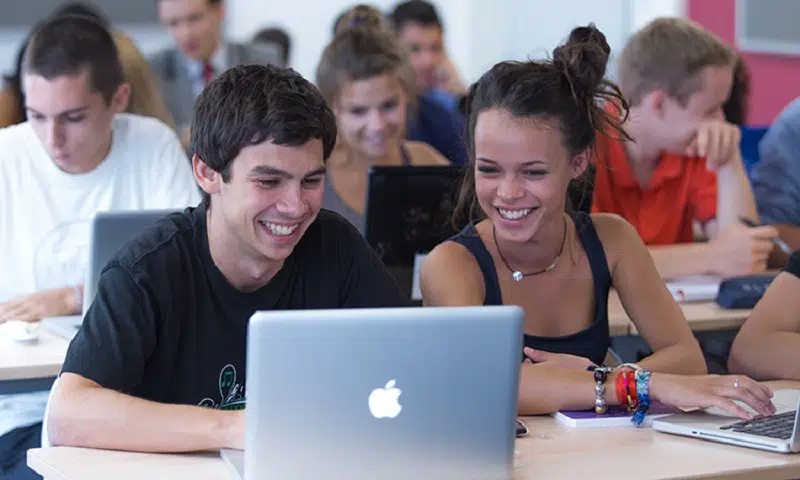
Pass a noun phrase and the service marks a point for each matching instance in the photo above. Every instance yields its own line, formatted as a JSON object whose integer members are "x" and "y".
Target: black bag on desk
{"x": 743, "y": 292}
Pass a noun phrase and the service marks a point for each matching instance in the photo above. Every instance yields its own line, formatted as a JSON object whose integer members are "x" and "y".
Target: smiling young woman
{"x": 366, "y": 77}
{"x": 531, "y": 130}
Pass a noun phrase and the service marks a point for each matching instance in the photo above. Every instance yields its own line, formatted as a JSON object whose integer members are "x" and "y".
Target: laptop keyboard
{"x": 778, "y": 426}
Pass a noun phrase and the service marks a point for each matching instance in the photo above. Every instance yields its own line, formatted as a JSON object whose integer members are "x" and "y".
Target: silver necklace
{"x": 518, "y": 275}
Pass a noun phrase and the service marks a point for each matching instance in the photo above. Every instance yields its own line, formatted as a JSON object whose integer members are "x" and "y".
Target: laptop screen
{"x": 109, "y": 232}
{"x": 408, "y": 212}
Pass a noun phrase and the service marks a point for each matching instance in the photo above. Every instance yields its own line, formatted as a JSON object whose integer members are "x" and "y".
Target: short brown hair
{"x": 365, "y": 46}
{"x": 668, "y": 54}
{"x": 250, "y": 104}
{"x": 68, "y": 45}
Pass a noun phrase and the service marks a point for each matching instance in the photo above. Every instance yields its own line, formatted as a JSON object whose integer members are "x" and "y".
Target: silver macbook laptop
{"x": 776, "y": 433}
{"x": 109, "y": 231}
{"x": 400, "y": 393}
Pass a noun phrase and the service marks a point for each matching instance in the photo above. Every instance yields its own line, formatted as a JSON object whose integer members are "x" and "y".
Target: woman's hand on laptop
{"x": 34, "y": 307}
{"x": 705, "y": 391}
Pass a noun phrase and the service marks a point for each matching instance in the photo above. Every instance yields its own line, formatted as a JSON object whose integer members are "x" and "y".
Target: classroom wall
{"x": 479, "y": 33}
{"x": 775, "y": 78}
{"x": 472, "y": 28}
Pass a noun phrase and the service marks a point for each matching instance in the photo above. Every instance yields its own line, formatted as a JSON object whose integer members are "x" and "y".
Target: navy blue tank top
{"x": 593, "y": 341}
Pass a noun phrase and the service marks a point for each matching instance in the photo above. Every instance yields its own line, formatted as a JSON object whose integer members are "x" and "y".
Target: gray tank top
{"x": 332, "y": 201}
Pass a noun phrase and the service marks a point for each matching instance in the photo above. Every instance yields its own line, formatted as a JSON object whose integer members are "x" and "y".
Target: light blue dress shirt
{"x": 776, "y": 176}
{"x": 194, "y": 69}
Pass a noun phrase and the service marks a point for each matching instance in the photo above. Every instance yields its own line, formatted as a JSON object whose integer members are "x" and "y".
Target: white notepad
{"x": 699, "y": 288}
{"x": 616, "y": 416}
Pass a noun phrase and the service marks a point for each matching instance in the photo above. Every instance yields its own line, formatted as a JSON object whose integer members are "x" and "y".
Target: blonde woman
{"x": 365, "y": 76}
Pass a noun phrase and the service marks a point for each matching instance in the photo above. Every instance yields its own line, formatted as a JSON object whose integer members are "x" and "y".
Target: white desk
{"x": 551, "y": 451}
{"x": 23, "y": 361}
{"x": 701, "y": 316}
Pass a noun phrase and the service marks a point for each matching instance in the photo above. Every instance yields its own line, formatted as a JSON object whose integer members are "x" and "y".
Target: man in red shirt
{"x": 683, "y": 165}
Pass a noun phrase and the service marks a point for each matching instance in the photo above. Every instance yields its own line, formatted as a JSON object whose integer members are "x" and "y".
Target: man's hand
{"x": 32, "y": 308}
{"x": 741, "y": 250}
{"x": 717, "y": 141}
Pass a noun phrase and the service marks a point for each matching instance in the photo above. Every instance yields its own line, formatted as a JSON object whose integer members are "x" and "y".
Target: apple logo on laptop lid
{"x": 383, "y": 402}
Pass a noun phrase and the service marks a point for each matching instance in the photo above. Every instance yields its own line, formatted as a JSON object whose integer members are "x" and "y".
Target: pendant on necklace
{"x": 517, "y": 276}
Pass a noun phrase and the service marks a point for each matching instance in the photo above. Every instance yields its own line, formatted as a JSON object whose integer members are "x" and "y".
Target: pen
{"x": 777, "y": 241}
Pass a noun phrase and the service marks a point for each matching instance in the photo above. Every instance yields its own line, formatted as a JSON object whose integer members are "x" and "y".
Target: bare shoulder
{"x": 618, "y": 236}
{"x": 613, "y": 229}
{"x": 452, "y": 255}
{"x": 450, "y": 275}
{"x": 423, "y": 154}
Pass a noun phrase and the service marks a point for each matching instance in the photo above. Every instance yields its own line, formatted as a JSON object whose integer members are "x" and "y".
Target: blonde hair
{"x": 362, "y": 15}
{"x": 669, "y": 54}
{"x": 364, "y": 47}
{"x": 145, "y": 98}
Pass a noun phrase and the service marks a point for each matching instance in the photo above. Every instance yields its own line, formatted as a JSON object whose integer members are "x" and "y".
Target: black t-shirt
{"x": 793, "y": 265}
{"x": 166, "y": 325}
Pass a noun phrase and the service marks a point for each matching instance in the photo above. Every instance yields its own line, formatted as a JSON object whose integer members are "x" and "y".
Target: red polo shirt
{"x": 681, "y": 189}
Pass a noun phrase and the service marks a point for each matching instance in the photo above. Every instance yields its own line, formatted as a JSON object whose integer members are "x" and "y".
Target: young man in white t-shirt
{"x": 76, "y": 155}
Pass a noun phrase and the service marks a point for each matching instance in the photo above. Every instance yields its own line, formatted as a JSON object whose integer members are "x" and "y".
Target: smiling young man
{"x": 166, "y": 334}
{"x": 683, "y": 164}
{"x": 75, "y": 156}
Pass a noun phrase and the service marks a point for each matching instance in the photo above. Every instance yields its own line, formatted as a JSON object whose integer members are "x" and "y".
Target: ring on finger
{"x": 736, "y": 383}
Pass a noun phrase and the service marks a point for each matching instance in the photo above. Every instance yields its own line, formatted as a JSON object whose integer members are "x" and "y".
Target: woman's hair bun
{"x": 362, "y": 16}
{"x": 584, "y": 57}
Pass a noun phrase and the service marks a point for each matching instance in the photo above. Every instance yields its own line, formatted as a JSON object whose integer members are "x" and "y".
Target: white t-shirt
{"x": 45, "y": 213}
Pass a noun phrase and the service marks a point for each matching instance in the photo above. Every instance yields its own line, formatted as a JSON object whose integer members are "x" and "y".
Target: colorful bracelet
{"x": 631, "y": 397}
{"x": 643, "y": 393}
{"x": 632, "y": 366}
{"x": 620, "y": 387}
{"x": 600, "y": 377}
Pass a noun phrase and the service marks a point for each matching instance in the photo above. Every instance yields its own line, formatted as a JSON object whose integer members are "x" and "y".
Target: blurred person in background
{"x": 199, "y": 54}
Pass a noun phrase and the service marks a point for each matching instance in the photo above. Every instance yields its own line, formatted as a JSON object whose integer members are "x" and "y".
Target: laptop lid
{"x": 717, "y": 426}
{"x": 109, "y": 231}
{"x": 234, "y": 462}
{"x": 383, "y": 393}
{"x": 408, "y": 212}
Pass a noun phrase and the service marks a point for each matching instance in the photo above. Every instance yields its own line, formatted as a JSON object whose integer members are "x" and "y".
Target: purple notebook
{"x": 616, "y": 416}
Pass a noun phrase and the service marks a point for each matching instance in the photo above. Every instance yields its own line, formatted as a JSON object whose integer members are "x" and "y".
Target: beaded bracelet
{"x": 600, "y": 377}
{"x": 643, "y": 393}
